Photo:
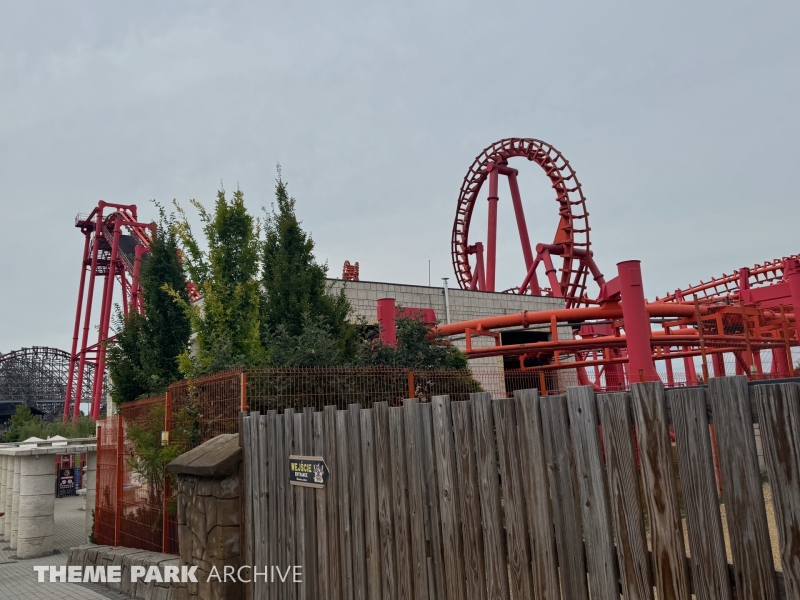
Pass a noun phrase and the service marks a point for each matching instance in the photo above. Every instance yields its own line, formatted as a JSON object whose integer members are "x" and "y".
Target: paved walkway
{"x": 18, "y": 580}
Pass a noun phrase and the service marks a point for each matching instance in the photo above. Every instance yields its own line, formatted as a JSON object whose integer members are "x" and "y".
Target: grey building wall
{"x": 464, "y": 305}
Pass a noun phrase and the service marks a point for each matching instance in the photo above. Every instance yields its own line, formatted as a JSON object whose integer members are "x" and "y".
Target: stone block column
{"x": 36, "y": 505}
{"x": 90, "y": 484}
{"x": 3, "y": 460}
{"x": 15, "y": 504}
{"x": 9, "y": 496}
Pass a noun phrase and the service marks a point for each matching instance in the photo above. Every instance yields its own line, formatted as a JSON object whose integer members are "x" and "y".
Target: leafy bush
{"x": 24, "y": 424}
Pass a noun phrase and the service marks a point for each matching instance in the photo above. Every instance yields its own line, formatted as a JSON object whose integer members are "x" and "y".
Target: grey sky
{"x": 681, "y": 120}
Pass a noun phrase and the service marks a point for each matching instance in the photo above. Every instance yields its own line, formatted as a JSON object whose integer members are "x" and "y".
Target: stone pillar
{"x": 209, "y": 521}
{"x": 90, "y": 484}
{"x": 2, "y": 493}
{"x": 9, "y": 495}
{"x": 15, "y": 505}
{"x": 36, "y": 505}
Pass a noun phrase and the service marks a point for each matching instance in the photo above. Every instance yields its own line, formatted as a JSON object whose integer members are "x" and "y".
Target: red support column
{"x": 88, "y": 315}
{"x": 387, "y": 320}
{"x": 108, "y": 298}
{"x": 491, "y": 234}
{"x": 522, "y": 227}
{"x": 718, "y": 362}
{"x": 76, "y": 331}
{"x": 637, "y": 323}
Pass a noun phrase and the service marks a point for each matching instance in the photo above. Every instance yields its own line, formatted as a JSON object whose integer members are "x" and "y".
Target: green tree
{"x": 227, "y": 320}
{"x": 297, "y": 308}
{"x": 417, "y": 348}
{"x": 144, "y": 358}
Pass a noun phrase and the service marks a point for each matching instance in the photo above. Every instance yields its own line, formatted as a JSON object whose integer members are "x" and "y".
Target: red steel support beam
{"x": 76, "y": 331}
{"x": 491, "y": 234}
{"x": 522, "y": 226}
{"x": 637, "y": 322}
{"x": 88, "y": 315}
{"x": 105, "y": 319}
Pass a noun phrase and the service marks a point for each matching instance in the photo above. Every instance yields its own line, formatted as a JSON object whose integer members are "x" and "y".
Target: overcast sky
{"x": 682, "y": 121}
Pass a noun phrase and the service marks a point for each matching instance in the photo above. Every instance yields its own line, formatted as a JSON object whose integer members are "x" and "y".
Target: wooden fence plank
{"x": 400, "y": 503}
{"x": 353, "y": 418}
{"x": 537, "y": 495}
{"x": 661, "y": 492}
{"x": 696, "y": 463}
{"x": 779, "y": 417}
{"x": 371, "y": 530}
{"x": 742, "y": 491}
{"x": 263, "y": 503}
{"x": 416, "y": 510}
{"x": 444, "y": 455}
{"x": 432, "y": 500}
{"x": 282, "y": 480}
{"x": 310, "y": 566}
{"x": 564, "y": 497}
{"x": 623, "y": 484}
{"x": 271, "y": 533}
{"x": 469, "y": 501}
{"x": 598, "y": 541}
{"x": 299, "y": 517}
{"x": 254, "y": 492}
{"x": 322, "y": 573}
{"x": 489, "y": 492}
{"x": 384, "y": 465}
{"x": 332, "y": 502}
{"x": 289, "y": 515}
{"x": 345, "y": 525}
{"x": 244, "y": 436}
{"x": 512, "y": 472}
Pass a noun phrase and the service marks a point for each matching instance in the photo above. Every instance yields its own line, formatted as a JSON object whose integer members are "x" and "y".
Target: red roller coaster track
{"x": 765, "y": 294}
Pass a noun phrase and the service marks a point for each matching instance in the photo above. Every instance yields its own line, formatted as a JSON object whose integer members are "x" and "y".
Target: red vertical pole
{"x": 165, "y": 500}
{"x": 120, "y": 490}
{"x": 670, "y": 374}
{"x": 387, "y": 321}
{"x": 491, "y": 234}
{"x": 88, "y": 314}
{"x": 105, "y": 318}
{"x": 522, "y": 227}
{"x": 243, "y": 392}
{"x": 637, "y": 322}
{"x": 76, "y": 331}
{"x": 481, "y": 275}
{"x": 97, "y": 479}
{"x": 718, "y": 362}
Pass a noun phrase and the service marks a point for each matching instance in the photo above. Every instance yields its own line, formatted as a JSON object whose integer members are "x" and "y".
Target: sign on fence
{"x": 308, "y": 471}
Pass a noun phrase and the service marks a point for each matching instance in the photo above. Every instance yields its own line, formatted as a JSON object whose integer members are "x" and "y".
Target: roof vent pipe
{"x": 446, "y": 299}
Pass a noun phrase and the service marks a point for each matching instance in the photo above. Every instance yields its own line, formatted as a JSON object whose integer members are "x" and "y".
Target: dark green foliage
{"x": 144, "y": 359}
{"x": 227, "y": 323}
{"x": 25, "y": 424}
{"x": 296, "y": 303}
{"x": 418, "y": 348}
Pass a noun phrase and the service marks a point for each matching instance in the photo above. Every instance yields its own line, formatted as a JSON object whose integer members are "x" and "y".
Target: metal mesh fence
{"x": 134, "y": 498}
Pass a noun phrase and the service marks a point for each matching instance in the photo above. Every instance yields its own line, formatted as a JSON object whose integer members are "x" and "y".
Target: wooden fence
{"x": 531, "y": 497}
